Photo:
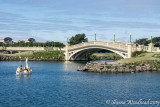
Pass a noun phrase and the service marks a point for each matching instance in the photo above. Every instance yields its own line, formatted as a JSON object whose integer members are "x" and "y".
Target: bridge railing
{"x": 156, "y": 49}
{"x": 1, "y": 48}
{"x": 119, "y": 45}
{"x": 24, "y": 48}
{"x": 140, "y": 47}
{"x": 145, "y": 48}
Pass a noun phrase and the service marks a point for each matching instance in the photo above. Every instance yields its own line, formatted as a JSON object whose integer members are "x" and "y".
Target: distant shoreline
{"x": 34, "y": 56}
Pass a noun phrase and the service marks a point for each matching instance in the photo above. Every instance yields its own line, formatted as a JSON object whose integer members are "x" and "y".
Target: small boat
{"x": 25, "y": 70}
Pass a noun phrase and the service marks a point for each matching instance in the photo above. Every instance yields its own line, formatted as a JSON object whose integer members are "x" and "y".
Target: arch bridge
{"x": 83, "y": 50}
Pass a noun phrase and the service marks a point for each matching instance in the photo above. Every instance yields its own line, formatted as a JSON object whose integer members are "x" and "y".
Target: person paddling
{"x": 21, "y": 68}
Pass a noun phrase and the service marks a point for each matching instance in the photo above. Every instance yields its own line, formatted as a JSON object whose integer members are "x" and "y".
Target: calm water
{"x": 59, "y": 84}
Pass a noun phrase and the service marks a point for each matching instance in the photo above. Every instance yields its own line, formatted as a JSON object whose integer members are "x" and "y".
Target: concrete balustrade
{"x": 24, "y": 48}
{"x": 1, "y": 48}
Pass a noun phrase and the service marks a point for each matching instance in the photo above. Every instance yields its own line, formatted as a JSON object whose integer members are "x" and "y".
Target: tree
{"x": 8, "y": 40}
{"x": 21, "y": 43}
{"x": 143, "y": 41}
{"x": 78, "y": 38}
{"x": 156, "y": 41}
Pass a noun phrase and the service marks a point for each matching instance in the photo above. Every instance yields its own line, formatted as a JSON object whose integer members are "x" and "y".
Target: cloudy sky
{"x": 47, "y": 20}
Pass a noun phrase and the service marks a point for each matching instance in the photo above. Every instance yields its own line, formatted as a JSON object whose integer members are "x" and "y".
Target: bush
{"x": 137, "y": 53}
{"x": 48, "y": 54}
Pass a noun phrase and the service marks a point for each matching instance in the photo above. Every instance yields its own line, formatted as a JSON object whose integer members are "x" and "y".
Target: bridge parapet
{"x": 145, "y": 48}
{"x": 156, "y": 49}
{"x": 24, "y": 48}
{"x": 120, "y": 45}
{"x": 1, "y": 48}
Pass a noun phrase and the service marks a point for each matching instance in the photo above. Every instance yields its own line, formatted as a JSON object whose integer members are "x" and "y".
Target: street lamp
{"x": 130, "y": 38}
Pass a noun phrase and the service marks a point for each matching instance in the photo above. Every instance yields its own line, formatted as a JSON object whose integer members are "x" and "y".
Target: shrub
{"x": 137, "y": 53}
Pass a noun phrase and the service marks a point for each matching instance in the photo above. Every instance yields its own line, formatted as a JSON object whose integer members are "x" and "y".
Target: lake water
{"x": 58, "y": 84}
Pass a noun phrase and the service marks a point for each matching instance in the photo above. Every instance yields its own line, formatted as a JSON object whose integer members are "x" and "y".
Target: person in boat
{"x": 29, "y": 69}
{"x": 21, "y": 68}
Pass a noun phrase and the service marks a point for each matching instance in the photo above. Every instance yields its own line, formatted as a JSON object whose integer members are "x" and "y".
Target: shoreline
{"x": 143, "y": 63}
{"x": 34, "y": 56}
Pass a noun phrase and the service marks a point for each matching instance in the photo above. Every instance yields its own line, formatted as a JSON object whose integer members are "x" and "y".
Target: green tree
{"x": 143, "y": 41}
{"x": 1, "y": 44}
{"x": 156, "y": 41}
{"x": 78, "y": 38}
{"x": 21, "y": 43}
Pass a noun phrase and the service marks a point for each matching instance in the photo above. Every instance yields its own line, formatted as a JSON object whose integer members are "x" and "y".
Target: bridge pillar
{"x": 130, "y": 50}
{"x": 66, "y": 53}
{"x": 151, "y": 46}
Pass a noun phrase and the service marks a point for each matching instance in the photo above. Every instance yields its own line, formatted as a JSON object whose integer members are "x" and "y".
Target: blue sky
{"x": 47, "y": 20}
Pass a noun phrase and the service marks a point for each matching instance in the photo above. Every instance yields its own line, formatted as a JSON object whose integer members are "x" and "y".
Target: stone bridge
{"x": 83, "y": 50}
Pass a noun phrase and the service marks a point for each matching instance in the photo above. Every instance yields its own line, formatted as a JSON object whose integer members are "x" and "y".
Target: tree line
{"x": 78, "y": 38}
{"x": 146, "y": 41}
{"x": 33, "y": 44}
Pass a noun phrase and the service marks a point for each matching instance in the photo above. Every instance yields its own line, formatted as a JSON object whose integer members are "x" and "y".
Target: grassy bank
{"x": 143, "y": 62}
{"x": 36, "y": 56}
{"x": 147, "y": 58}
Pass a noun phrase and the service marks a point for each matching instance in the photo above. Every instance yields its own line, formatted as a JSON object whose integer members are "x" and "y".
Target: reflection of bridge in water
{"x": 83, "y": 50}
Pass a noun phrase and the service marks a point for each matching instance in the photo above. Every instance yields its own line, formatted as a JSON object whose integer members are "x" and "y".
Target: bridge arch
{"x": 83, "y": 53}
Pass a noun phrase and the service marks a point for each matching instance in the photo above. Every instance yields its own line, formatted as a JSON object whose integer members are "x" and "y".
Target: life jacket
{"x": 21, "y": 67}
{"x": 29, "y": 69}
